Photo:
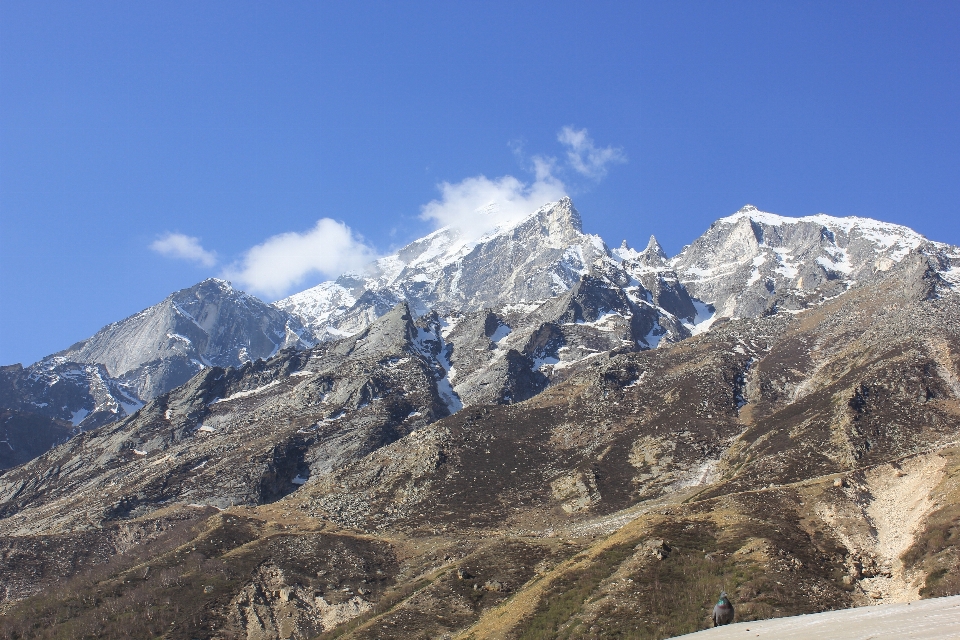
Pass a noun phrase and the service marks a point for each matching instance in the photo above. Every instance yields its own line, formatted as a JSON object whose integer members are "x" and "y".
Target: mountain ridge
{"x": 880, "y": 242}
{"x": 747, "y": 264}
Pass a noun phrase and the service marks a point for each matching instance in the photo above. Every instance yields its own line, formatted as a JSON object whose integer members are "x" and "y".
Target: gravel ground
{"x": 933, "y": 619}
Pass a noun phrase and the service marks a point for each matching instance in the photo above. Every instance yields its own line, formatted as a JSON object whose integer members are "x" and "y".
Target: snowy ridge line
{"x": 884, "y": 233}
{"x": 439, "y": 271}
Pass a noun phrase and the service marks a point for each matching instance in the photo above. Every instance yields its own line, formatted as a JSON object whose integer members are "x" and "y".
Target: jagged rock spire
{"x": 653, "y": 255}
{"x": 653, "y": 246}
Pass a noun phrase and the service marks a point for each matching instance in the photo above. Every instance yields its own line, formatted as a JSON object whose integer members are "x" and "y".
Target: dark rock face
{"x": 25, "y": 435}
{"x": 83, "y": 395}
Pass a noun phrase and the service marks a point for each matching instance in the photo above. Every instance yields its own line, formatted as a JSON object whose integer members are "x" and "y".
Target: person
{"x": 723, "y": 611}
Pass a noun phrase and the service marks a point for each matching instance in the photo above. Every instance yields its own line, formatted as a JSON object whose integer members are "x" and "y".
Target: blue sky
{"x": 232, "y": 122}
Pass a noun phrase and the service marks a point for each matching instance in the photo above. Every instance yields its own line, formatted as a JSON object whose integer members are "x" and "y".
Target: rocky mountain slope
{"x": 109, "y": 376}
{"x": 208, "y": 324}
{"x": 530, "y": 467}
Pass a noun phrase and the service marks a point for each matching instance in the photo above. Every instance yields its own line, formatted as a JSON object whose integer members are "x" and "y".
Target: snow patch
{"x": 656, "y": 334}
{"x": 543, "y": 361}
{"x": 603, "y": 319}
{"x": 449, "y": 396}
{"x": 502, "y": 332}
{"x": 245, "y": 394}
{"x": 702, "y": 322}
{"x": 952, "y": 276}
{"x": 131, "y": 407}
{"x": 447, "y": 325}
{"x": 637, "y": 381}
{"x": 523, "y": 306}
{"x": 838, "y": 260}
{"x": 787, "y": 267}
{"x": 569, "y": 363}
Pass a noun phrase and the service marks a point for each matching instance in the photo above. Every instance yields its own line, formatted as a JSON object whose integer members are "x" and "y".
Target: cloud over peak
{"x": 475, "y": 206}
{"x": 479, "y": 205}
{"x": 183, "y": 247}
{"x": 283, "y": 261}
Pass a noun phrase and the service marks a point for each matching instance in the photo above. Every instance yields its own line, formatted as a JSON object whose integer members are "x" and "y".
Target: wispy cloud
{"x": 283, "y": 261}
{"x": 585, "y": 157}
{"x": 183, "y": 247}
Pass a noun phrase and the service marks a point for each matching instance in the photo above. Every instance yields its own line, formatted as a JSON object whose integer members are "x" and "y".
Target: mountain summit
{"x": 754, "y": 262}
{"x": 539, "y": 257}
{"x": 208, "y": 324}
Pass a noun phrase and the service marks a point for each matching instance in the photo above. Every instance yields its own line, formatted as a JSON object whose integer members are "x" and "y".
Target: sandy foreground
{"x": 933, "y": 619}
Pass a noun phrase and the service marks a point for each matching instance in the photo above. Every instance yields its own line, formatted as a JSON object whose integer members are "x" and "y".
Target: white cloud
{"x": 478, "y": 205}
{"x": 584, "y": 156}
{"x": 283, "y": 261}
{"x": 182, "y": 247}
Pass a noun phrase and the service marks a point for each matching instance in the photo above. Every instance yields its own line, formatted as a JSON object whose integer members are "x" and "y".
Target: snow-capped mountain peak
{"x": 536, "y": 257}
{"x": 883, "y": 234}
{"x": 753, "y": 261}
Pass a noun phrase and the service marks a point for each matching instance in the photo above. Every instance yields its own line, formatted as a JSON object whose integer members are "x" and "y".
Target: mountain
{"x": 245, "y": 435}
{"x": 594, "y": 448}
{"x": 110, "y": 375}
{"x": 745, "y": 265}
{"x": 519, "y": 304}
{"x": 208, "y": 324}
{"x": 755, "y": 262}
{"x": 537, "y": 258}
{"x": 48, "y": 402}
